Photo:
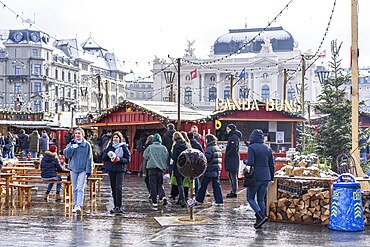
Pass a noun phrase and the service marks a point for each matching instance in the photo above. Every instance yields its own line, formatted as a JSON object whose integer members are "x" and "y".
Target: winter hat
{"x": 232, "y": 127}
{"x": 157, "y": 138}
{"x": 53, "y": 148}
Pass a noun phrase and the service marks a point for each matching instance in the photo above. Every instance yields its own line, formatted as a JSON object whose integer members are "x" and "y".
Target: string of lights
{"x": 244, "y": 45}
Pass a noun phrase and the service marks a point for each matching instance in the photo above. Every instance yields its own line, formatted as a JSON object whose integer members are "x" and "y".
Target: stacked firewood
{"x": 366, "y": 206}
{"x": 310, "y": 208}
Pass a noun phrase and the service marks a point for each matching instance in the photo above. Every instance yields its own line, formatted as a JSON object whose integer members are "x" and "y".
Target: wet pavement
{"x": 50, "y": 224}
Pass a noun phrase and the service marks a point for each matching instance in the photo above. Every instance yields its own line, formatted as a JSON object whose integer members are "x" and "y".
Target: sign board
{"x": 279, "y": 137}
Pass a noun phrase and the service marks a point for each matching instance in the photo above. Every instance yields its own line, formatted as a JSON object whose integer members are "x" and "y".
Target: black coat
{"x": 214, "y": 160}
{"x": 120, "y": 166}
{"x": 179, "y": 147}
{"x": 232, "y": 156}
{"x": 23, "y": 140}
{"x": 260, "y": 157}
{"x": 167, "y": 140}
{"x": 50, "y": 164}
{"x": 196, "y": 145}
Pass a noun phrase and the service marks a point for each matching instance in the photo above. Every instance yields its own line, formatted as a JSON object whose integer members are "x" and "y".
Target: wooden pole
{"x": 303, "y": 104}
{"x": 191, "y": 211}
{"x": 354, "y": 54}
{"x": 178, "y": 94}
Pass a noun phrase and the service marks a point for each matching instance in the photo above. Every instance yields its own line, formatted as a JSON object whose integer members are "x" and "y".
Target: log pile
{"x": 366, "y": 206}
{"x": 312, "y": 207}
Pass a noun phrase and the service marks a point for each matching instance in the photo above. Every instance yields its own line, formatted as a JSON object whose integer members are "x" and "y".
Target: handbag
{"x": 249, "y": 179}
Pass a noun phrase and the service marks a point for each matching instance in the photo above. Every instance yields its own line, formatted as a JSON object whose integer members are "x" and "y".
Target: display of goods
{"x": 299, "y": 187}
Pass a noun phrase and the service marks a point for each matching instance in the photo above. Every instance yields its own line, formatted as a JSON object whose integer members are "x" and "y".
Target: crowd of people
{"x": 160, "y": 153}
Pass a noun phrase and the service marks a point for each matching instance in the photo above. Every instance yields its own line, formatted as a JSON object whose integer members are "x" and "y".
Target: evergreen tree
{"x": 334, "y": 132}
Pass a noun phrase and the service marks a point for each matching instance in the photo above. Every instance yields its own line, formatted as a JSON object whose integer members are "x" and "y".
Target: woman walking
{"x": 261, "y": 159}
{"x": 79, "y": 155}
{"x": 116, "y": 158}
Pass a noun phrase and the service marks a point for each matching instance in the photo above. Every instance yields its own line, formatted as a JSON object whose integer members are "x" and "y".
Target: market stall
{"x": 138, "y": 119}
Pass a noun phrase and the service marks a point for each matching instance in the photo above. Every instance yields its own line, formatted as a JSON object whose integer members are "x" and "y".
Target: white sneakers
{"x": 76, "y": 209}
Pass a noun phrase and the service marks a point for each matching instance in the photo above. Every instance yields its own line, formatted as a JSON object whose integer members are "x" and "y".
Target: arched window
{"x": 212, "y": 78}
{"x": 120, "y": 99}
{"x": 265, "y": 75}
{"x": 212, "y": 94}
{"x": 265, "y": 92}
{"x": 188, "y": 95}
{"x": 187, "y": 78}
{"x": 113, "y": 100}
{"x": 291, "y": 94}
{"x": 227, "y": 92}
{"x": 243, "y": 92}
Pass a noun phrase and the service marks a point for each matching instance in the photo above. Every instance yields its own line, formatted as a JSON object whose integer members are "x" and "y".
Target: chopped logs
{"x": 310, "y": 208}
{"x": 366, "y": 206}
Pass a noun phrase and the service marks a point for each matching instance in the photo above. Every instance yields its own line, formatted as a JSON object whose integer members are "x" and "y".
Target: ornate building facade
{"x": 64, "y": 75}
{"x": 255, "y": 61}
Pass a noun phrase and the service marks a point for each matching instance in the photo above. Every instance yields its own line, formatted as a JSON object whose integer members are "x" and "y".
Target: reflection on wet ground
{"x": 49, "y": 224}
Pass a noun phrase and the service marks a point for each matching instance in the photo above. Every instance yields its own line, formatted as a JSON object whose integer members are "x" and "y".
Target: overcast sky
{"x": 138, "y": 30}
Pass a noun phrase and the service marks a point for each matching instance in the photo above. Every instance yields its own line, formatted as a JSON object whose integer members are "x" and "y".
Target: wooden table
{"x": 8, "y": 178}
{"x": 18, "y": 170}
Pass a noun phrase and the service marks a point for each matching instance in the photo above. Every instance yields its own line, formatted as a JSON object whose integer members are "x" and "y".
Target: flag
{"x": 323, "y": 54}
{"x": 242, "y": 73}
{"x": 193, "y": 74}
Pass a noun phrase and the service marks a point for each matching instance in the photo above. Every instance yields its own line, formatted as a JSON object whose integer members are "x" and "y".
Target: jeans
{"x": 116, "y": 181}
{"x": 33, "y": 154}
{"x": 78, "y": 186}
{"x": 156, "y": 184}
{"x": 25, "y": 153}
{"x": 50, "y": 185}
{"x": 260, "y": 189}
{"x": 180, "y": 184}
{"x": 363, "y": 156}
{"x": 234, "y": 182}
{"x": 217, "y": 192}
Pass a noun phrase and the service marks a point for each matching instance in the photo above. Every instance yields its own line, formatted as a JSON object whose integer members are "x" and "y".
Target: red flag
{"x": 193, "y": 74}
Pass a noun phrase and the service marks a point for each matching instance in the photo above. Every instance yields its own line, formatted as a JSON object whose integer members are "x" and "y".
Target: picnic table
{"x": 8, "y": 178}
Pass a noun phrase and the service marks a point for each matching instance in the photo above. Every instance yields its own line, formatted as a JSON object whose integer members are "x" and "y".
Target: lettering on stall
{"x": 246, "y": 105}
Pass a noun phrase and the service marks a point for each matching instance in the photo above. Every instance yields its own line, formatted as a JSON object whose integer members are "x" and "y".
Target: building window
{"x": 265, "y": 75}
{"x": 37, "y": 105}
{"x": 69, "y": 76}
{"x": 56, "y": 108}
{"x": 47, "y": 107}
{"x": 265, "y": 92}
{"x": 56, "y": 74}
{"x": 35, "y": 53}
{"x": 188, "y": 95}
{"x": 291, "y": 94}
{"x": 243, "y": 92}
{"x": 47, "y": 71}
{"x": 227, "y": 92}
{"x": 75, "y": 77}
{"x": 212, "y": 94}
{"x": 17, "y": 70}
{"x": 62, "y": 75}
{"x": 37, "y": 87}
{"x": 17, "y": 87}
{"x": 37, "y": 69}
{"x": 56, "y": 91}
{"x": 227, "y": 78}
{"x": 212, "y": 78}
{"x": 187, "y": 78}
{"x": 74, "y": 93}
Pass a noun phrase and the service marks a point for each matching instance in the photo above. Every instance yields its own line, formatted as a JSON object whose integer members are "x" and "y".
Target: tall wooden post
{"x": 178, "y": 94}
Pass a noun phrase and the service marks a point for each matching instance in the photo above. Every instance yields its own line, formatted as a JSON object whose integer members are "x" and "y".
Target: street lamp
{"x": 323, "y": 75}
{"x": 169, "y": 76}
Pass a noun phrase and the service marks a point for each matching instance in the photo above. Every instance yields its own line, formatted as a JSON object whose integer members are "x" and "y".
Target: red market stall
{"x": 279, "y": 127}
{"x": 137, "y": 118}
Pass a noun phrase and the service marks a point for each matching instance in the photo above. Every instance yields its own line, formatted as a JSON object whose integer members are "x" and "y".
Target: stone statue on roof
{"x": 189, "y": 52}
{"x": 266, "y": 47}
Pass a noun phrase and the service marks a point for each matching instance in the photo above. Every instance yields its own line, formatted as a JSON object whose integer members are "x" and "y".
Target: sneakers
{"x": 231, "y": 195}
{"x": 116, "y": 210}
{"x": 76, "y": 209}
{"x": 165, "y": 201}
{"x": 218, "y": 204}
{"x": 155, "y": 205}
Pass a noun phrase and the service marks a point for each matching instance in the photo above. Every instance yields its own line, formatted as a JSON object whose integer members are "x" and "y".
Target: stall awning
{"x": 26, "y": 124}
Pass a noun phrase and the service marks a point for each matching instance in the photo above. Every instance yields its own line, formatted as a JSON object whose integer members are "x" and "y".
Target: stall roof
{"x": 165, "y": 110}
{"x": 26, "y": 124}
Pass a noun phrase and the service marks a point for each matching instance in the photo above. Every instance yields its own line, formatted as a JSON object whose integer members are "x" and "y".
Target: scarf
{"x": 118, "y": 149}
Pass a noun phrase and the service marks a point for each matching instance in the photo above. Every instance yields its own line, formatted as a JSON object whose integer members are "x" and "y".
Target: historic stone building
{"x": 40, "y": 75}
{"x": 256, "y": 60}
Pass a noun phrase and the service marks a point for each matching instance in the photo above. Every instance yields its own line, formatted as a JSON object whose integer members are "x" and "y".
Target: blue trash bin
{"x": 346, "y": 212}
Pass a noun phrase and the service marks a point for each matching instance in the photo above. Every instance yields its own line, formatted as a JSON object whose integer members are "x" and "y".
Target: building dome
{"x": 281, "y": 40}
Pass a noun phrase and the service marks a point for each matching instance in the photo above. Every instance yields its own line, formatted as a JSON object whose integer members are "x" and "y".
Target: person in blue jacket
{"x": 261, "y": 159}
{"x": 116, "y": 157}
{"x": 80, "y": 162}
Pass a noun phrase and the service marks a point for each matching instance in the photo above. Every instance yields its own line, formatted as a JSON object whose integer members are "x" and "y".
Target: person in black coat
{"x": 212, "y": 173}
{"x": 23, "y": 142}
{"x": 179, "y": 147}
{"x": 260, "y": 157}
{"x": 116, "y": 157}
{"x": 50, "y": 165}
{"x": 167, "y": 141}
{"x": 232, "y": 158}
{"x": 196, "y": 145}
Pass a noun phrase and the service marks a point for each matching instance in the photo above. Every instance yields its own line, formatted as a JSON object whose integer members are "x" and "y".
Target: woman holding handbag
{"x": 260, "y": 158}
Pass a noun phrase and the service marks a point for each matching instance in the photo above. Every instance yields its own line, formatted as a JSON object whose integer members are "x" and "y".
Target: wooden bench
{"x": 92, "y": 181}
{"x": 22, "y": 189}
{"x": 67, "y": 187}
{"x": 99, "y": 175}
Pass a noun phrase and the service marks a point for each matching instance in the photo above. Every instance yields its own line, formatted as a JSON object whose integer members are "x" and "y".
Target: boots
{"x": 260, "y": 219}
{"x": 58, "y": 197}
{"x": 46, "y": 196}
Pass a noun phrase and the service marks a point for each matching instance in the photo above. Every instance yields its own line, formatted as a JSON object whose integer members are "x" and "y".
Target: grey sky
{"x": 138, "y": 30}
